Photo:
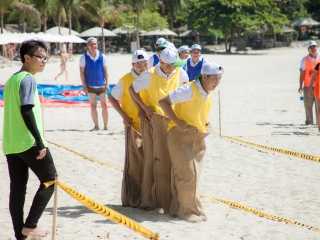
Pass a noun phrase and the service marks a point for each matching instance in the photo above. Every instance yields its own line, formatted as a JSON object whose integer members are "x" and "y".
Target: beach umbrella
{"x": 97, "y": 32}
{"x": 63, "y": 31}
{"x": 3, "y": 39}
{"x": 304, "y": 22}
{"x": 158, "y": 32}
{"x": 10, "y": 38}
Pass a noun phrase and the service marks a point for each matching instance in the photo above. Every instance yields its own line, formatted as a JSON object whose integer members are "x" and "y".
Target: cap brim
{"x": 179, "y": 63}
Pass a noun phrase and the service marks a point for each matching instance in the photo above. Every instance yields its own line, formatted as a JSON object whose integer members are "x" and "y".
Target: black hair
{"x": 29, "y": 47}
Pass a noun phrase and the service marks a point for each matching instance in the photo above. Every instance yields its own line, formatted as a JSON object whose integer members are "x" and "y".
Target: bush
{"x": 295, "y": 35}
{"x": 177, "y": 41}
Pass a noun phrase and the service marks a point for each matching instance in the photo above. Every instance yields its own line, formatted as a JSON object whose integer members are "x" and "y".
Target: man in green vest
{"x": 23, "y": 143}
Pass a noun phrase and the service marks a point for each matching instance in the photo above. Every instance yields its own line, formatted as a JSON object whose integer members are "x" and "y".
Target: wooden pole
{"x": 55, "y": 209}
{"x": 42, "y": 113}
{"x": 219, "y": 114}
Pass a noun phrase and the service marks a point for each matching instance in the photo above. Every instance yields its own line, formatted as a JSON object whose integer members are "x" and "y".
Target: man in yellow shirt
{"x": 132, "y": 174}
{"x": 185, "y": 139}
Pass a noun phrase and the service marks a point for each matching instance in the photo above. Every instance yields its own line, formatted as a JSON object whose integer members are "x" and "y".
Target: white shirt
{"x": 151, "y": 60}
{"x": 184, "y": 93}
{"x": 83, "y": 59}
{"x": 195, "y": 64}
{"x": 303, "y": 61}
{"x": 118, "y": 89}
{"x": 143, "y": 81}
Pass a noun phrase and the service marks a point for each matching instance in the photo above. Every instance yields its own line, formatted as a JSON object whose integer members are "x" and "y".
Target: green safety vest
{"x": 16, "y": 136}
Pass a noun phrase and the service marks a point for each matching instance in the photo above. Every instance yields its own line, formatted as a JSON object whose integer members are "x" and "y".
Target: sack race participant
{"x": 185, "y": 139}
{"x": 157, "y": 83}
{"x": 132, "y": 174}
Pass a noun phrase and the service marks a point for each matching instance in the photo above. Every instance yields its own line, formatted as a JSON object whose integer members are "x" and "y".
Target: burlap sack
{"x": 147, "y": 202}
{"x": 162, "y": 166}
{"x": 186, "y": 151}
{"x": 133, "y": 165}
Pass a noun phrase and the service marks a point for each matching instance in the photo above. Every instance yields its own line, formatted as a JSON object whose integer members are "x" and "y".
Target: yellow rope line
{"x": 278, "y": 150}
{"x": 232, "y": 204}
{"x": 107, "y": 212}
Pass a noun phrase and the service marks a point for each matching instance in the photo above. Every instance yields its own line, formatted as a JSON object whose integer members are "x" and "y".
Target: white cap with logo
{"x": 184, "y": 48}
{"x": 171, "y": 56}
{"x": 160, "y": 41}
{"x": 139, "y": 56}
{"x": 312, "y": 43}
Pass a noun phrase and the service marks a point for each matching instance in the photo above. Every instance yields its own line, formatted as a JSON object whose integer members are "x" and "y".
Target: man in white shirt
{"x": 194, "y": 64}
{"x": 94, "y": 78}
{"x": 184, "y": 54}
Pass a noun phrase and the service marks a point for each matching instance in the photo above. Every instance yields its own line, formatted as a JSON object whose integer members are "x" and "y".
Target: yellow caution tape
{"x": 278, "y": 150}
{"x": 233, "y": 204}
{"x": 261, "y": 214}
{"x": 86, "y": 157}
{"x": 107, "y": 212}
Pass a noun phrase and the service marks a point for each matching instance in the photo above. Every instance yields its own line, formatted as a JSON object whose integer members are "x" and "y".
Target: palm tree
{"x": 73, "y": 7}
{"x": 60, "y": 5}
{"x": 25, "y": 11}
{"x": 44, "y": 7}
{"x": 103, "y": 11}
{"x": 4, "y": 6}
{"x": 172, "y": 6}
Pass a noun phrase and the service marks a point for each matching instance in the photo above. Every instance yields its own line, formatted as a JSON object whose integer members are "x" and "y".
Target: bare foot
{"x": 34, "y": 232}
{"x": 94, "y": 129}
{"x": 105, "y": 128}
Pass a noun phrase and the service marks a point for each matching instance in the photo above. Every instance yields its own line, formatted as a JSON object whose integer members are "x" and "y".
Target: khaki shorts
{"x": 97, "y": 91}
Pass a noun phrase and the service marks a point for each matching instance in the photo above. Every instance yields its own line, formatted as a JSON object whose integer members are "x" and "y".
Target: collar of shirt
{"x": 96, "y": 57}
{"x": 195, "y": 64}
{"x": 162, "y": 74}
{"x": 313, "y": 59}
{"x": 134, "y": 74}
{"x": 204, "y": 94}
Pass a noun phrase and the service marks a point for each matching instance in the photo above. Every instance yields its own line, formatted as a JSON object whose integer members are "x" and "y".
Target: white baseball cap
{"x": 195, "y": 46}
{"x": 91, "y": 38}
{"x": 139, "y": 56}
{"x": 183, "y": 48}
{"x": 166, "y": 44}
{"x": 171, "y": 56}
{"x": 210, "y": 68}
{"x": 160, "y": 41}
{"x": 312, "y": 43}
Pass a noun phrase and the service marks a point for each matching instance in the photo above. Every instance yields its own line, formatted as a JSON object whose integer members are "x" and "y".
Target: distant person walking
{"x": 307, "y": 67}
{"x": 94, "y": 78}
{"x": 63, "y": 64}
{"x": 23, "y": 143}
{"x": 194, "y": 64}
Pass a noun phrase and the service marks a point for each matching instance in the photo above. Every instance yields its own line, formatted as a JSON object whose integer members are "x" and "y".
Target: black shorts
{"x": 97, "y": 91}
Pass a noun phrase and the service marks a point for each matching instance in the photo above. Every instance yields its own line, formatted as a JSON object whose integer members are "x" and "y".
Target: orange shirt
{"x": 309, "y": 70}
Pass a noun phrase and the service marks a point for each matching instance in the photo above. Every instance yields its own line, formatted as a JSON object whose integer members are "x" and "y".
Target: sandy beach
{"x": 259, "y": 103}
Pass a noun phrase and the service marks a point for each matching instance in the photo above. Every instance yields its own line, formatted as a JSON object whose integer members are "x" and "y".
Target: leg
{"x": 18, "y": 173}
{"x": 94, "y": 113}
{"x": 65, "y": 69}
{"x": 318, "y": 112}
{"x": 61, "y": 72}
{"x": 308, "y": 104}
{"x": 103, "y": 103}
{"x": 45, "y": 170}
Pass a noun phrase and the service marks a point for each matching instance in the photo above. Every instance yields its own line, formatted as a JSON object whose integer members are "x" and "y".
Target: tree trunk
{"x": 103, "y": 41}
{"x": 59, "y": 20}
{"x": 171, "y": 26}
{"x": 226, "y": 36}
{"x": 44, "y": 20}
{"x": 2, "y": 22}
{"x": 69, "y": 20}
{"x": 231, "y": 40}
{"x": 138, "y": 28}
{"x": 274, "y": 39}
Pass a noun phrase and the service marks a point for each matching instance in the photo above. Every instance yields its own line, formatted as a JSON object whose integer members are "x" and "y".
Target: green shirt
{"x": 16, "y": 136}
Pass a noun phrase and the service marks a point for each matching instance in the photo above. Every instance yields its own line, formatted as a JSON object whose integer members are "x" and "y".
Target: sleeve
{"x": 151, "y": 61}
{"x": 82, "y": 62}
{"x": 28, "y": 87}
{"x": 117, "y": 91}
{"x": 317, "y": 67}
{"x": 181, "y": 94}
{"x": 142, "y": 81}
{"x": 303, "y": 64}
{"x": 183, "y": 76}
{"x": 104, "y": 60}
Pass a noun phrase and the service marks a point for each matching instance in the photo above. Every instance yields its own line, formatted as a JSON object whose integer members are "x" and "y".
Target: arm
{"x": 83, "y": 80}
{"x": 126, "y": 119}
{"x": 302, "y": 73}
{"x": 106, "y": 77}
{"x": 139, "y": 103}
{"x": 165, "y": 104}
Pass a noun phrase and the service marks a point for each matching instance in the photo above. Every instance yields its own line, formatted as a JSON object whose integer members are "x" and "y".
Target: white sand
{"x": 259, "y": 101}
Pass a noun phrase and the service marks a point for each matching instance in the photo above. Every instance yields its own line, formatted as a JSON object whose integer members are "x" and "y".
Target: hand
{"x": 127, "y": 121}
{"x": 85, "y": 89}
{"x": 107, "y": 88}
{"x": 142, "y": 114}
{"x": 183, "y": 127}
{"x": 300, "y": 90}
{"x": 42, "y": 153}
{"x": 149, "y": 111}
